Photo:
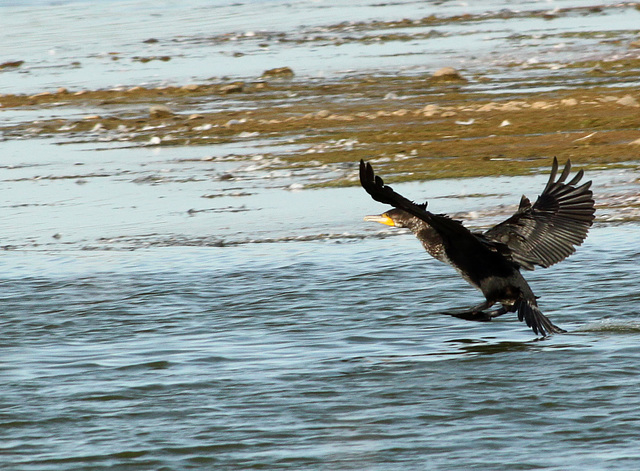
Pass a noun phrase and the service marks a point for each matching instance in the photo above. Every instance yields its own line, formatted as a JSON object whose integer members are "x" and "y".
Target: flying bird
{"x": 541, "y": 235}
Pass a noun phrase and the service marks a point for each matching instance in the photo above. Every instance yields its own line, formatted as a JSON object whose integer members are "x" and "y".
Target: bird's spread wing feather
{"x": 529, "y": 312}
{"x": 549, "y": 230}
{"x": 374, "y": 185}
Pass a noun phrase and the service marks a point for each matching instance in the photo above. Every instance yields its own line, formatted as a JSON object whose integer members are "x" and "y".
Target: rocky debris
{"x": 190, "y": 87}
{"x": 569, "y": 102}
{"x": 41, "y": 94}
{"x": 160, "y": 111}
{"x": 488, "y": 107}
{"x": 151, "y": 58}
{"x": 541, "y": 105}
{"x": 340, "y": 117}
{"x": 430, "y": 110}
{"x": 279, "y": 72}
{"x": 447, "y": 74}
{"x": 628, "y": 100}
{"x": 236, "y": 87}
{"x": 11, "y": 64}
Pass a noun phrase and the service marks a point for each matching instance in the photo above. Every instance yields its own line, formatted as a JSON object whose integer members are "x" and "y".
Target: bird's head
{"x": 394, "y": 217}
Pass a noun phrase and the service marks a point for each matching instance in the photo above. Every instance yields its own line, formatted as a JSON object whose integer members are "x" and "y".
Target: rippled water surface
{"x": 187, "y": 308}
{"x": 322, "y": 354}
{"x": 92, "y": 45}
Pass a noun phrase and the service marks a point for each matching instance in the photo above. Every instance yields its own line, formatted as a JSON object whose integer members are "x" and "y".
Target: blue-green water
{"x": 321, "y": 354}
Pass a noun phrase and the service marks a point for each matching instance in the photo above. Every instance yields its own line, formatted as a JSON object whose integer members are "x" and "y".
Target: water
{"x": 68, "y": 44}
{"x": 313, "y": 355}
{"x": 158, "y": 316}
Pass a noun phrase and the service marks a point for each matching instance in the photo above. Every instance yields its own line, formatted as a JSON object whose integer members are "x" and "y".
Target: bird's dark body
{"x": 542, "y": 234}
{"x": 477, "y": 262}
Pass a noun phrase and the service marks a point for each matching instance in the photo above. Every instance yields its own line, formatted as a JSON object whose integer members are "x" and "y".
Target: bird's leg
{"x": 478, "y": 314}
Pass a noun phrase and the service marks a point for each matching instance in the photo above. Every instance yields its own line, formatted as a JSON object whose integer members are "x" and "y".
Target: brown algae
{"x": 418, "y": 128}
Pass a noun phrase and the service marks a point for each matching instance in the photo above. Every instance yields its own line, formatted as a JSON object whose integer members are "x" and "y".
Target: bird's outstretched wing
{"x": 550, "y": 230}
{"x": 374, "y": 185}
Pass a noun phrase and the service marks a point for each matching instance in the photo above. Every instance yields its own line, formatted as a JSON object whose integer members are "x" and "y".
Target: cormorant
{"x": 540, "y": 234}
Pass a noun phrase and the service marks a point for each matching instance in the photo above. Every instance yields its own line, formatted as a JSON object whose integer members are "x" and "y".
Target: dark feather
{"x": 374, "y": 185}
{"x": 529, "y": 313}
{"x": 550, "y": 230}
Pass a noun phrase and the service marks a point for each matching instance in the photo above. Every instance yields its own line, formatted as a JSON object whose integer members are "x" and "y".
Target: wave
{"x": 622, "y": 326}
{"x": 145, "y": 241}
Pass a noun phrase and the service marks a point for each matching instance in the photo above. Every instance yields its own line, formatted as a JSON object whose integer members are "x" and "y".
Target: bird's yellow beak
{"x": 381, "y": 218}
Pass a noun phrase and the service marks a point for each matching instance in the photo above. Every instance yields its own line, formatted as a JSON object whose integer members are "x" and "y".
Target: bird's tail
{"x": 529, "y": 312}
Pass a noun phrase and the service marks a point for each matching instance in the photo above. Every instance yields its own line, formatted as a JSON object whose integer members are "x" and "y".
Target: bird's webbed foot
{"x": 478, "y": 313}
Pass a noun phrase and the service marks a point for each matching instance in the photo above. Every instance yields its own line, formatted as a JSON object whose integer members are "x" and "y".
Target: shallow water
{"x": 189, "y": 307}
{"x": 67, "y": 44}
{"x": 322, "y": 354}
